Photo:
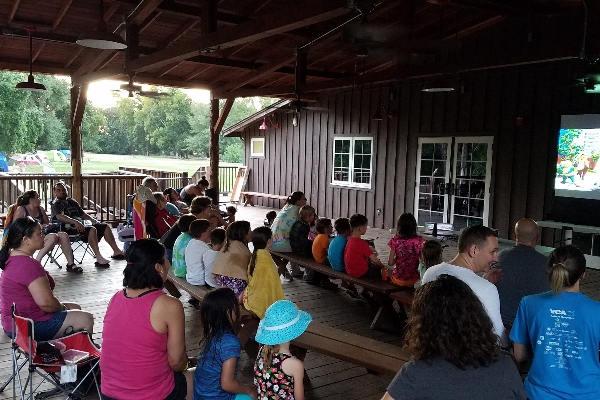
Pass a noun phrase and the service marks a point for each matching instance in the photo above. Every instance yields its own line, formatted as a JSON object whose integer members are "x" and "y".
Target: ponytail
{"x": 268, "y": 351}
{"x": 260, "y": 239}
{"x": 4, "y": 253}
{"x": 566, "y": 265}
{"x": 26, "y": 197}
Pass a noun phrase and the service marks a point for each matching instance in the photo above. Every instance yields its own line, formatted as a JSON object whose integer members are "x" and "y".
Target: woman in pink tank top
{"x": 143, "y": 341}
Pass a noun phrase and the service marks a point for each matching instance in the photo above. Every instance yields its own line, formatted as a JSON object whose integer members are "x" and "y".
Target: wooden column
{"x": 78, "y": 100}
{"x": 208, "y": 24}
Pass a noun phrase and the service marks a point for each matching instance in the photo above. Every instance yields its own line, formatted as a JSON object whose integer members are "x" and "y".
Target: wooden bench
{"x": 377, "y": 357}
{"x": 249, "y": 196}
{"x": 380, "y": 289}
{"x": 405, "y": 296}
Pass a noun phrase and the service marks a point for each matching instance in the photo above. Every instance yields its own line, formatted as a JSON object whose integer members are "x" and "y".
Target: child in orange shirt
{"x": 321, "y": 242}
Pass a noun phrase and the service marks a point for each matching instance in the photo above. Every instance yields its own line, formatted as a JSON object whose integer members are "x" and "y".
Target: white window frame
{"x": 252, "y": 141}
{"x": 349, "y": 182}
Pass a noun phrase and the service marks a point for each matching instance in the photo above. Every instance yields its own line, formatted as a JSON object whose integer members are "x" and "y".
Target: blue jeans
{"x": 46, "y": 330}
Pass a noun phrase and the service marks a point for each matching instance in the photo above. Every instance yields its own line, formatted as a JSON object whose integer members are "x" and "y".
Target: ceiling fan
{"x": 587, "y": 75}
{"x": 132, "y": 88}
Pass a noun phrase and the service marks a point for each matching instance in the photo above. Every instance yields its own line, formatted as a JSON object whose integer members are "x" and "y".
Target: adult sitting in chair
{"x": 68, "y": 211}
{"x": 29, "y": 204}
{"x": 203, "y": 208}
{"x": 25, "y": 283}
{"x": 192, "y": 190}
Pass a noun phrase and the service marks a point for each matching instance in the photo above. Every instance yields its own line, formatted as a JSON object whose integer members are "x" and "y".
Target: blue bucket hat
{"x": 282, "y": 323}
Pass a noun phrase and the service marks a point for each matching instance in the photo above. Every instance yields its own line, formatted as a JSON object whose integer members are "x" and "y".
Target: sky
{"x": 105, "y": 93}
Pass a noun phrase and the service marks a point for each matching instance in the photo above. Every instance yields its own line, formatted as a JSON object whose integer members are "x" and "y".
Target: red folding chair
{"x": 24, "y": 353}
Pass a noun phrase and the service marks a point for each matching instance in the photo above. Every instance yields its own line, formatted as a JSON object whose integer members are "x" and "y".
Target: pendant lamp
{"x": 100, "y": 38}
{"x": 30, "y": 85}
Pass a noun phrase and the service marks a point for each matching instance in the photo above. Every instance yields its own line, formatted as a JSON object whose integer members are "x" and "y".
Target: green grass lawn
{"x": 111, "y": 162}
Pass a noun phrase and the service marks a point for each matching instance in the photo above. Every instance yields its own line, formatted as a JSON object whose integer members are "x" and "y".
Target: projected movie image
{"x": 577, "y": 169}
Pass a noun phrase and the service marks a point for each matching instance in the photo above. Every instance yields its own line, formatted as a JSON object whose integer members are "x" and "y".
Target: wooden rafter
{"x": 197, "y": 72}
{"x": 12, "y": 12}
{"x": 76, "y": 54}
{"x": 181, "y": 31}
{"x": 38, "y": 51}
{"x": 61, "y": 13}
{"x": 149, "y": 20}
{"x": 168, "y": 69}
{"x": 309, "y": 12}
{"x": 223, "y": 115}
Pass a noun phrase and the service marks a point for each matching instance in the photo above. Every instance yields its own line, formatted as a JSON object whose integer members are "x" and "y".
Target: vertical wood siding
{"x": 524, "y": 157}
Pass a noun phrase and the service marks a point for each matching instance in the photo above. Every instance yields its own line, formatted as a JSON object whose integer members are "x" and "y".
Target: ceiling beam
{"x": 418, "y": 71}
{"x": 143, "y": 11}
{"x": 182, "y": 30}
{"x": 184, "y": 10}
{"x": 307, "y": 13}
{"x": 74, "y": 56}
{"x": 23, "y": 66}
{"x": 61, "y": 13}
{"x": 12, "y": 12}
{"x": 223, "y": 115}
{"x": 38, "y": 51}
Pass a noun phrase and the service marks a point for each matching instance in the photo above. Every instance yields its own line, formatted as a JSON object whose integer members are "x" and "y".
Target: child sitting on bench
{"x": 335, "y": 252}
{"x": 359, "y": 259}
{"x": 301, "y": 245}
{"x": 178, "y": 249}
{"x": 217, "y": 241}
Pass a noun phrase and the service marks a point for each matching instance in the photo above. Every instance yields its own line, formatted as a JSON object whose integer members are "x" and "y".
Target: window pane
{"x": 439, "y": 168}
{"x": 478, "y": 170}
{"x": 427, "y": 151}
{"x": 426, "y": 168}
{"x": 479, "y": 151}
{"x": 258, "y": 146}
{"x": 342, "y": 146}
{"x": 441, "y": 151}
{"x": 362, "y": 147}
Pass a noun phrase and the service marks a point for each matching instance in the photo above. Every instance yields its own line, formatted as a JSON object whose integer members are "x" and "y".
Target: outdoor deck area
{"x": 330, "y": 378}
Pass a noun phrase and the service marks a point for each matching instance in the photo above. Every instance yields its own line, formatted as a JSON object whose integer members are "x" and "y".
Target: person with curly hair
{"x": 452, "y": 343}
{"x": 562, "y": 329}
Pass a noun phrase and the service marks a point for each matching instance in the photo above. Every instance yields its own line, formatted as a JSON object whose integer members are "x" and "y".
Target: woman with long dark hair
{"x": 143, "y": 340}
{"x": 562, "y": 329}
{"x": 25, "y": 283}
{"x": 453, "y": 348}
{"x": 405, "y": 251}
{"x": 29, "y": 203}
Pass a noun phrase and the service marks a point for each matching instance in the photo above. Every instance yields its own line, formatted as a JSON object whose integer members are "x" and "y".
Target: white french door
{"x": 453, "y": 180}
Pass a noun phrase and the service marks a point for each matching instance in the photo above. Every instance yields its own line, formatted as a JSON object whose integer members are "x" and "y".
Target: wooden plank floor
{"x": 330, "y": 378}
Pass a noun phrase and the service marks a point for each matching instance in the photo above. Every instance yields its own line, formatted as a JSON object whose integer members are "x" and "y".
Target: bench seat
{"x": 249, "y": 196}
{"x": 375, "y": 356}
{"x": 404, "y": 297}
{"x": 379, "y": 288}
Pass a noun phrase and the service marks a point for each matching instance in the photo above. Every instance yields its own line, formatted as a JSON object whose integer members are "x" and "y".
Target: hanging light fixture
{"x": 30, "y": 85}
{"x": 295, "y": 120}
{"x": 264, "y": 125}
{"x": 378, "y": 116}
{"x": 438, "y": 86}
{"x": 100, "y": 38}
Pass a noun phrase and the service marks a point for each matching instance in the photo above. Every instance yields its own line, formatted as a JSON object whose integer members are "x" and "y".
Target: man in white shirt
{"x": 477, "y": 251}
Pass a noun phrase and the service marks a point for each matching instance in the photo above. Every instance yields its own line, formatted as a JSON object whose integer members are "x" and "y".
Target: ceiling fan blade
{"x": 316, "y": 109}
{"x": 153, "y": 95}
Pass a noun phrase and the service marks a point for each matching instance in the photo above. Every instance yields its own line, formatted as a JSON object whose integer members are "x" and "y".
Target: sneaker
{"x": 287, "y": 277}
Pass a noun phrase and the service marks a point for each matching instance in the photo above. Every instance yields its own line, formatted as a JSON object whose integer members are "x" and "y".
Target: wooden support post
{"x": 214, "y": 145}
{"x": 78, "y": 100}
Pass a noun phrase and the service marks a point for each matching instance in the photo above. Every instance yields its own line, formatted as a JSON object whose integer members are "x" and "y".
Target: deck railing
{"x": 227, "y": 176}
{"x": 105, "y": 194}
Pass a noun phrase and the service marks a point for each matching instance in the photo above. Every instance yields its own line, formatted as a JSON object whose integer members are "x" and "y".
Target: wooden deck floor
{"x": 330, "y": 378}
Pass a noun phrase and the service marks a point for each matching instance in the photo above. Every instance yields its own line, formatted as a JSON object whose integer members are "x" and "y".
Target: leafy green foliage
{"x": 170, "y": 126}
{"x": 567, "y": 147}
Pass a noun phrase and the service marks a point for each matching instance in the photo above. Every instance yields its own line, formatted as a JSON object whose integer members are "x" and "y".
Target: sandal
{"x": 100, "y": 265}
{"x": 74, "y": 268}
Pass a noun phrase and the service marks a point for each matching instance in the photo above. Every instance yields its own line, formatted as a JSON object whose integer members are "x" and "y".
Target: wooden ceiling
{"x": 247, "y": 47}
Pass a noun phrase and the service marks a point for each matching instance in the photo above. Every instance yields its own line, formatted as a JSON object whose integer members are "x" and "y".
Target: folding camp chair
{"x": 78, "y": 244}
{"x": 24, "y": 353}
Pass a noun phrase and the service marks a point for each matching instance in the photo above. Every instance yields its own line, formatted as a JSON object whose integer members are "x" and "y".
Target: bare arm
{"x": 43, "y": 296}
{"x": 387, "y": 396}
{"x": 392, "y": 258}
{"x": 19, "y": 213}
{"x": 376, "y": 261}
{"x": 229, "y": 384}
{"x": 295, "y": 368}
{"x": 166, "y": 316}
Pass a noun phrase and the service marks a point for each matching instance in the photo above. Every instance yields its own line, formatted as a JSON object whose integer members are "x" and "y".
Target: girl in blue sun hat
{"x": 277, "y": 373}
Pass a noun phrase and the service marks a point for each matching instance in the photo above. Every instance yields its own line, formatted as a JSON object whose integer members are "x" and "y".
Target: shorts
{"x": 100, "y": 229}
{"x": 178, "y": 393}
{"x": 372, "y": 272}
{"x": 46, "y": 330}
{"x": 235, "y": 284}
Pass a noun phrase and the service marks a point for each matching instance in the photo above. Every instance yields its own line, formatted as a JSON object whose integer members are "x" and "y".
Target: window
{"x": 352, "y": 165}
{"x": 257, "y": 147}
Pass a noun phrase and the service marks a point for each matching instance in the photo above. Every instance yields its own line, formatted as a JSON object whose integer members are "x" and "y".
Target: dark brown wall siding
{"x": 300, "y": 158}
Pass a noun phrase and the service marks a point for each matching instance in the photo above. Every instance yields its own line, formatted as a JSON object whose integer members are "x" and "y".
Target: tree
{"x": 166, "y": 122}
{"x": 568, "y": 147}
